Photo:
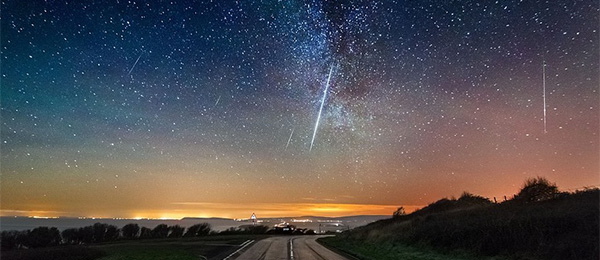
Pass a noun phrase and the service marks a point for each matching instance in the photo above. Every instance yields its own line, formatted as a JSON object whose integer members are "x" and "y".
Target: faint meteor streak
{"x": 216, "y": 103}
{"x": 544, "y": 92}
{"x": 136, "y": 62}
{"x": 321, "y": 108}
{"x": 289, "y": 139}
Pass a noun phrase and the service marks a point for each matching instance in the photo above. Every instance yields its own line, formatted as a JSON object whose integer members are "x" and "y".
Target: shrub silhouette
{"x": 86, "y": 234}
{"x": 197, "y": 230}
{"x": 99, "y": 232}
{"x": 145, "y": 232}
{"x": 468, "y": 199}
{"x": 112, "y": 233}
{"x": 160, "y": 231}
{"x": 131, "y": 230}
{"x": 42, "y": 237}
{"x": 71, "y": 236}
{"x": 537, "y": 189}
{"x": 176, "y": 231}
{"x": 399, "y": 212}
{"x": 104, "y": 232}
{"x": 256, "y": 229}
{"x": 11, "y": 239}
{"x": 246, "y": 229}
{"x": 96, "y": 233}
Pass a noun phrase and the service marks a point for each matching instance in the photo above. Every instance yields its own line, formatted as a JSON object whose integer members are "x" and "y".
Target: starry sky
{"x": 209, "y": 108}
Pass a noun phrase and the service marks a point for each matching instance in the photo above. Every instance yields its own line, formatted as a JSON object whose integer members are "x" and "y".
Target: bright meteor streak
{"x": 321, "y": 108}
{"x": 544, "y": 93}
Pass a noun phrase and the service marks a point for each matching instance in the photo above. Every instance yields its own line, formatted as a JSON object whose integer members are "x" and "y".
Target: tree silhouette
{"x": 145, "y": 232}
{"x": 22, "y": 238}
{"x": 197, "y": 230}
{"x": 86, "y": 234}
{"x": 42, "y": 237}
{"x": 104, "y": 232}
{"x": 112, "y": 233}
{"x": 71, "y": 236}
{"x": 537, "y": 189}
{"x": 192, "y": 231}
{"x": 11, "y": 239}
{"x": 131, "y": 230}
{"x": 99, "y": 232}
{"x": 176, "y": 231}
{"x": 160, "y": 231}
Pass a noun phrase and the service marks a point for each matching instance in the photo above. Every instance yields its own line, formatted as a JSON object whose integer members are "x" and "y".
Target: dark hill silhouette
{"x": 553, "y": 225}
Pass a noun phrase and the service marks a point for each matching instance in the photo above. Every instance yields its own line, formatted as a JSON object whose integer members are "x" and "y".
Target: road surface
{"x": 289, "y": 248}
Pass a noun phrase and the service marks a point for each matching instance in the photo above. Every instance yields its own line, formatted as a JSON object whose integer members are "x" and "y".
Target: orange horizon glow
{"x": 232, "y": 211}
{"x": 190, "y": 209}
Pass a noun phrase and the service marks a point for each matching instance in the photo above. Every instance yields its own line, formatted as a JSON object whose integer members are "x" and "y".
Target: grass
{"x": 210, "y": 247}
{"x": 155, "y": 250}
{"x": 52, "y": 253}
{"x": 566, "y": 227}
{"x": 389, "y": 251}
{"x": 153, "y": 253}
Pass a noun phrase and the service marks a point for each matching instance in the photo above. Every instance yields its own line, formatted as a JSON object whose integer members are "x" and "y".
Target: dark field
{"x": 213, "y": 247}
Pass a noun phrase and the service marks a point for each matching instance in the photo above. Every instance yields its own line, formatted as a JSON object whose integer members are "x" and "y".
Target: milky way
{"x": 120, "y": 108}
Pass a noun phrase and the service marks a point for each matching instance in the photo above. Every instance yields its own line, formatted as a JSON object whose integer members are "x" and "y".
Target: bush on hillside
{"x": 537, "y": 189}
{"x": 399, "y": 212}
{"x": 466, "y": 201}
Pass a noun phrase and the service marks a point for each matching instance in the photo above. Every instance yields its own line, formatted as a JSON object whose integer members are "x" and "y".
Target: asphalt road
{"x": 289, "y": 248}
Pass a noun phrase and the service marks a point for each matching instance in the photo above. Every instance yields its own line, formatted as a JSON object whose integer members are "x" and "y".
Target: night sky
{"x": 208, "y": 108}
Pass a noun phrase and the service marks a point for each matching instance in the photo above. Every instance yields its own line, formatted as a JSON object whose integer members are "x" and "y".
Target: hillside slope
{"x": 564, "y": 227}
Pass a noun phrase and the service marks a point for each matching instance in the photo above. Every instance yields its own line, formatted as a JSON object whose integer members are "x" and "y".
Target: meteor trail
{"x": 216, "y": 103}
{"x": 544, "y": 94}
{"x": 321, "y": 108}
{"x": 136, "y": 61}
{"x": 289, "y": 139}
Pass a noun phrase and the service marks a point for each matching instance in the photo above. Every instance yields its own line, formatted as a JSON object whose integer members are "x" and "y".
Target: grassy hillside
{"x": 561, "y": 226}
